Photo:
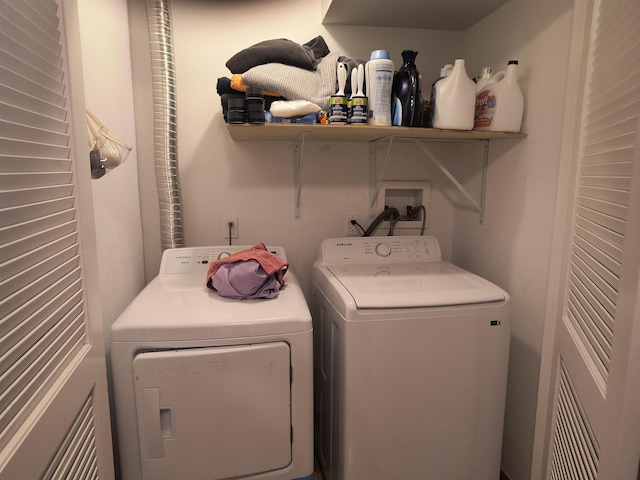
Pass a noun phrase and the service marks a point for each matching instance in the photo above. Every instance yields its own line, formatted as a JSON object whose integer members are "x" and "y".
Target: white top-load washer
{"x": 208, "y": 387}
{"x": 411, "y": 360}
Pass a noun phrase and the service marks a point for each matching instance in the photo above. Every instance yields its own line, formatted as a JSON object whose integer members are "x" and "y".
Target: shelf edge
{"x": 355, "y": 133}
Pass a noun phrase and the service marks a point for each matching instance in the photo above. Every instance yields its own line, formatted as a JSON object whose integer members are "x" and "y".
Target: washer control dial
{"x": 383, "y": 250}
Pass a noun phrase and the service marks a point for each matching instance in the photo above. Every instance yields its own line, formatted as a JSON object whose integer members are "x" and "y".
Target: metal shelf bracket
{"x": 375, "y": 177}
{"x": 298, "y": 148}
{"x": 376, "y": 174}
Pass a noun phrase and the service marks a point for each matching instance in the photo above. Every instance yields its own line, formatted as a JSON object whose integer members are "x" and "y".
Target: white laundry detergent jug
{"x": 454, "y": 100}
{"x": 485, "y": 77}
{"x": 500, "y": 103}
{"x": 444, "y": 71}
{"x": 379, "y": 74}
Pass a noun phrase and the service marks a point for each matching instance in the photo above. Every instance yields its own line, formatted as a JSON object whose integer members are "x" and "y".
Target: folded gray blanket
{"x": 280, "y": 50}
{"x": 295, "y": 83}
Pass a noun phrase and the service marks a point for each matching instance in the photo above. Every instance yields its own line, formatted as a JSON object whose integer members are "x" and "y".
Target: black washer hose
{"x": 390, "y": 213}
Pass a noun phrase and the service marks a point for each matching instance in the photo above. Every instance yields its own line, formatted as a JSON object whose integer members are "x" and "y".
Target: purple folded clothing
{"x": 245, "y": 280}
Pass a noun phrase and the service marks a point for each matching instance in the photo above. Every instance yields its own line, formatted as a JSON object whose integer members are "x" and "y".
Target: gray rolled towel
{"x": 295, "y": 83}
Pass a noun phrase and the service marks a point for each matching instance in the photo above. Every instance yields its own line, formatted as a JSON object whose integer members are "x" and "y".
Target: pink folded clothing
{"x": 247, "y": 274}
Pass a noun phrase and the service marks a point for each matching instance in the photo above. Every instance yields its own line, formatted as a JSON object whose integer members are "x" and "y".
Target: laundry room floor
{"x": 317, "y": 472}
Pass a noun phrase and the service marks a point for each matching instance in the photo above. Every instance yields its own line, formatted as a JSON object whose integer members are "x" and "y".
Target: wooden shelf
{"x": 354, "y": 133}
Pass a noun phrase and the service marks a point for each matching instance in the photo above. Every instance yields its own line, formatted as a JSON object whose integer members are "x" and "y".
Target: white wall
{"x": 513, "y": 247}
{"x": 109, "y": 95}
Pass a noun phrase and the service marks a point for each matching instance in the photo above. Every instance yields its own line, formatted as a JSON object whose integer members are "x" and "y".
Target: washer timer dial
{"x": 383, "y": 250}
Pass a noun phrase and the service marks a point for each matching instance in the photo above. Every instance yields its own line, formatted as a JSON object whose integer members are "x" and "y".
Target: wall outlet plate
{"x": 352, "y": 230}
{"x": 227, "y": 219}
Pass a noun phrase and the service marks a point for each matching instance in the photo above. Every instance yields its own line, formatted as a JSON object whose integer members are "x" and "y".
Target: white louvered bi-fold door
{"x": 54, "y": 418}
{"x": 595, "y": 427}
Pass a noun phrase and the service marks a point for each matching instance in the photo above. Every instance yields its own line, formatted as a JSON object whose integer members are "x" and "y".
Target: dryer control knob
{"x": 383, "y": 250}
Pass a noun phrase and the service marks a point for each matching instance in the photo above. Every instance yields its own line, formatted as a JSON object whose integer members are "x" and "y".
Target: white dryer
{"x": 208, "y": 387}
{"x": 411, "y": 360}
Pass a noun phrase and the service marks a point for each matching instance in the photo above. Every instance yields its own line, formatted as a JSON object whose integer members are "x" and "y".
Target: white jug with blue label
{"x": 500, "y": 103}
{"x": 379, "y": 73}
{"x": 454, "y": 99}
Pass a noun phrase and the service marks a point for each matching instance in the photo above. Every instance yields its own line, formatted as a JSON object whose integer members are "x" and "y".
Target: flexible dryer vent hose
{"x": 165, "y": 149}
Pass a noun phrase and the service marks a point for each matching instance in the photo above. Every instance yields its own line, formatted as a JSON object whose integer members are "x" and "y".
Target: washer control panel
{"x": 196, "y": 260}
{"x": 380, "y": 249}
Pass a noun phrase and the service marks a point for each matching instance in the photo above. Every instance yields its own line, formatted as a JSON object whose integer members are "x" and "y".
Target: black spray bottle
{"x": 406, "y": 87}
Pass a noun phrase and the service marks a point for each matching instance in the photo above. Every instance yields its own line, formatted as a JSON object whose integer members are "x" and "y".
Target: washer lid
{"x": 421, "y": 284}
{"x": 181, "y": 307}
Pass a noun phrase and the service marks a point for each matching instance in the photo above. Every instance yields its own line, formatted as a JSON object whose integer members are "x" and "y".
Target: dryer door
{"x": 213, "y": 413}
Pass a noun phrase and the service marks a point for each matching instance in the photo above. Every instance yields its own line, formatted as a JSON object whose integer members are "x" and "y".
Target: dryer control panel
{"x": 196, "y": 260}
{"x": 359, "y": 250}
